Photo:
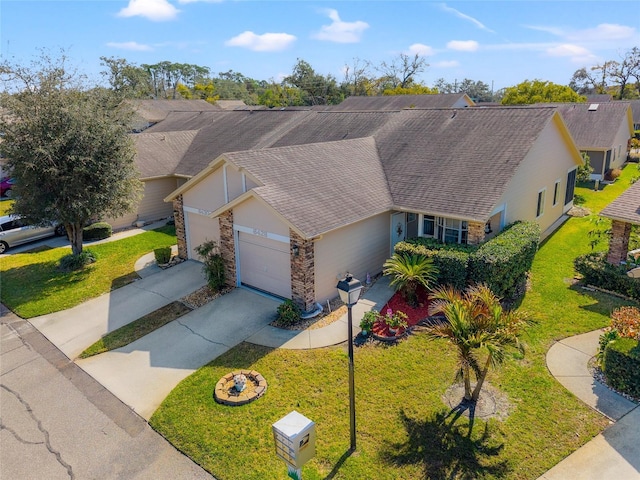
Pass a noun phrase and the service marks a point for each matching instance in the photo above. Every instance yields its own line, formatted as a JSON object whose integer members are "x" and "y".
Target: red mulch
{"x": 398, "y": 303}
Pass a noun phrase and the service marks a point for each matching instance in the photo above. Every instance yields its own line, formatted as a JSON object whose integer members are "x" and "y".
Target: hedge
{"x": 621, "y": 365}
{"x": 450, "y": 261}
{"x": 97, "y": 231}
{"x": 502, "y": 263}
{"x": 162, "y": 255}
{"x": 596, "y": 271}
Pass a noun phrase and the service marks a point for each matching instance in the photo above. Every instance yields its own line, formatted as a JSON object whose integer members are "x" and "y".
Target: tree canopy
{"x": 67, "y": 146}
{"x": 539, "y": 91}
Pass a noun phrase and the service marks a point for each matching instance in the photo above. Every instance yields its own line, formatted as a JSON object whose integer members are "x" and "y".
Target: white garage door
{"x": 265, "y": 264}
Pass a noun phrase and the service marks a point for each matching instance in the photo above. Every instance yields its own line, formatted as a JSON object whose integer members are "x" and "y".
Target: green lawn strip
{"x": 137, "y": 329}
{"x": 403, "y": 429}
{"x": 4, "y": 206}
{"x": 32, "y": 285}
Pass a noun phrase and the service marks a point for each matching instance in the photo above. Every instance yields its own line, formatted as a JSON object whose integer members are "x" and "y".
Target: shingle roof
{"x": 158, "y": 154}
{"x": 599, "y": 97}
{"x": 594, "y": 129}
{"x": 635, "y": 109}
{"x": 157, "y": 110}
{"x": 626, "y": 207}
{"x": 398, "y": 102}
{"x": 319, "y": 187}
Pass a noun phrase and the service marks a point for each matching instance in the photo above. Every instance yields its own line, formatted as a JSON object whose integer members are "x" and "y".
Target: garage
{"x": 264, "y": 264}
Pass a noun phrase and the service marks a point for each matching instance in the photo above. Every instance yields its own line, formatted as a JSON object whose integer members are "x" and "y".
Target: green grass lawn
{"x": 404, "y": 430}
{"x": 32, "y": 285}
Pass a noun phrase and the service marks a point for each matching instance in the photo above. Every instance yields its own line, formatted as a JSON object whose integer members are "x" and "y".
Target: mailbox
{"x": 295, "y": 437}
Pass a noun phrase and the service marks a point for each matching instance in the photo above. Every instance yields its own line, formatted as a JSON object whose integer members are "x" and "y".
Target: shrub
{"x": 612, "y": 174}
{"x": 596, "y": 271}
{"x": 621, "y": 365}
{"x": 583, "y": 173}
{"x": 213, "y": 264}
{"x": 408, "y": 271}
{"x": 626, "y": 321}
{"x": 162, "y": 254}
{"x": 368, "y": 319}
{"x": 289, "y": 313}
{"x": 72, "y": 262}
{"x": 450, "y": 259}
{"x": 502, "y": 263}
{"x": 97, "y": 231}
{"x": 604, "y": 340}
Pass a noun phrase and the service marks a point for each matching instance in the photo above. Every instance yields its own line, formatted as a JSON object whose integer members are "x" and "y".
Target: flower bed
{"x": 414, "y": 314}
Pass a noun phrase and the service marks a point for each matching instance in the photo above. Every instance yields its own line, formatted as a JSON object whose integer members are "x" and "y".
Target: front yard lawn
{"x": 404, "y": 429}
{"x": 32, "y": 285}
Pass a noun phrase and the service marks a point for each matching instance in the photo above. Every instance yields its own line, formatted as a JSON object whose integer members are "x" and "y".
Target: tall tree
{"x": 316, "y": 88}
{"x": 538, "y": 91}
{"x": 126, "y": 79}
{"x": 477, "y": 325}
{"x": 67, "y": 146}
{"x": 357, "y": 78}
{"x": 402, "y": 70}
{"x": 623, "y": 71}
{"x": 477, "y": 90}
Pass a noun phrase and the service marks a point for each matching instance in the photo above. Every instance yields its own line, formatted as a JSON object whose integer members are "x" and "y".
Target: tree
{"x": 316, "y": 88}
{"x": 624, "y": 70}
{"x": 409, "y": 272}
{"x": 477, "y": 90}
{"x": 401, "y": 71}
{"x": 67, "y": 146}
{"x": 126, "y": 79}
{"x": 413, "y": 89}
{"x": 538, "y": 91}
{"x": 357, "y": 78}
{"x": 476, "y": 322}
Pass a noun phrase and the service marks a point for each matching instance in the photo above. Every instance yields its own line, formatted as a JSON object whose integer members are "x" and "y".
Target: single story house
{"x": 602, "y": 131}
{"x": 315, "y": 194}
{"x": 400, "y": 102}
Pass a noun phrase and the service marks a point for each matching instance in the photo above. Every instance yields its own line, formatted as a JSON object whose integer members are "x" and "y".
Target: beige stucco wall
{"x": 619, "y": 156}
{"x": 547, "y": 161}
{"x": 360, "y": 248}
{"x": 151, "y": 207}
{"x": 234, "y": 182}
{"x": 254, "y": 214}
{"x": 199, "y": 229}
{"x": 208, "y": 194}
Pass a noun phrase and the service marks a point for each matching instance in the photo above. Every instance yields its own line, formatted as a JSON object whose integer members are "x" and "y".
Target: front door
{"x": 398, "y": 228}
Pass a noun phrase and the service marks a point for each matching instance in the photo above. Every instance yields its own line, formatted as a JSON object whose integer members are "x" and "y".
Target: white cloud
{"x": 604, "y": 31}
{"x": 203, "y": 1}
{"x": 463, "y": 45}
{"x": 267, "y": 42}
{"x": 339, "y": 31}
{"x": 133, "y": 46}
{"x": 446, "y": 64}
{"x": 576, "y": 53}
{"x": 461, "y": 15}
{"x": 421, "y": 49}
{"x": 543, "y": 28}
{"x": 156, "y": 10}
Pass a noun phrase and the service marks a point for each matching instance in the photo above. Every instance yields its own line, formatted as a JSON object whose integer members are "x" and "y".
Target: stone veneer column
{"x": 302, "y": 272}
{"x": 227, "y": 247}
{"x": 178, "y": 218}
{"x": 475, "y": 234}
{"x": 618, "y": 242}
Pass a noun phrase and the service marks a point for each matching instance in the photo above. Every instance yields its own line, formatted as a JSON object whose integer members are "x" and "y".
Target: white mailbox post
{"x": 295, "y": 438}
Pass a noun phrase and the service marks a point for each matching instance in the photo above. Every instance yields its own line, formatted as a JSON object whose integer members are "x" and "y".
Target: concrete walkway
{"x": 615, "y": 453}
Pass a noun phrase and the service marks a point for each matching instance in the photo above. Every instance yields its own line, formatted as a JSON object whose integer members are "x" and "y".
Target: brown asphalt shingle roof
{"x": 596, "y": 129}
{"x": 319, "y": 187}
{"x": 626, "y": 207}
{"x": 157, "y": 110}
{"x": 397, "y": 102}
{"x": 158, "y": 154}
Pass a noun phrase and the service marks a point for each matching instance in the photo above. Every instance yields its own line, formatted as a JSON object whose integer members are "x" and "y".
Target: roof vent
{"x": 593, "y": 107}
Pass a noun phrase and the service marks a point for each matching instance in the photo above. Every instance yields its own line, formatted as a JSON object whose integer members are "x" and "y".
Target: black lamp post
{"x": 349, "y": 289}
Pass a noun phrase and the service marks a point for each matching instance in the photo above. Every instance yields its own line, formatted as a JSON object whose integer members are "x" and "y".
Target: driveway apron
{"x": 144, "y": 372}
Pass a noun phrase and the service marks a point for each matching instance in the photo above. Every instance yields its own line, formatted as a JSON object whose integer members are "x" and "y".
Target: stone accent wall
{"x": 475, "y": 233}
{"x": 618, "y": 242}
{"x": 178, "y": 217}
{"x": 227, "y": 247}
{"x": 302, "y": 272}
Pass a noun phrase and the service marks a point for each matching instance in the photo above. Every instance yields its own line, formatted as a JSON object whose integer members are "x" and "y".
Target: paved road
{"x": 56, "y": 422}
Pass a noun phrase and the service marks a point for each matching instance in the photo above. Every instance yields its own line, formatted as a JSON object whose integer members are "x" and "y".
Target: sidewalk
{"x": 615, "y": 453}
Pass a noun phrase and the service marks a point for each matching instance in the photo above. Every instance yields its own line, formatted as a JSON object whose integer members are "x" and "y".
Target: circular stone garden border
{"x": 226, "y": 394}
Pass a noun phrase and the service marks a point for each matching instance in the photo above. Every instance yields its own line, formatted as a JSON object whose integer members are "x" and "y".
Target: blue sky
{"x": 498, "y": 42}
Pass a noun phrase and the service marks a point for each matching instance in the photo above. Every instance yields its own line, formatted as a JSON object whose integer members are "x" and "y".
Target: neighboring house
{"x": 602, "y": 131}
{"x": 624, "y": 212}
{"x": 400, "y": 102}
{"x": 599, "y": 97}
{"x": 317, "y": 194}
{"x": 635, "y": 112}
{"x": 150, "y": 112}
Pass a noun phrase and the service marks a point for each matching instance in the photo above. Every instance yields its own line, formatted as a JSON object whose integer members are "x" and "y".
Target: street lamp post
{"x": 349, "y": 289}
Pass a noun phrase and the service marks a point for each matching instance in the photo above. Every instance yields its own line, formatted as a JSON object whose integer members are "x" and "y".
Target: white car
{"x": 13, "y": 232}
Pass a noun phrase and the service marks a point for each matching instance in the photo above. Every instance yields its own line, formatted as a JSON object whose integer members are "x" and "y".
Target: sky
{"x": 501, "y": 43}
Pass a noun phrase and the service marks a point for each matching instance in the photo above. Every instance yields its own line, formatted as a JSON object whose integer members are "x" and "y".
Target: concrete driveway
{"x": 144, "y": 372}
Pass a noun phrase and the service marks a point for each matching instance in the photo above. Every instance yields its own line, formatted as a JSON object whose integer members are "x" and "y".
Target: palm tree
{"x": 476, "y": 322}
{"x": 408, "y": 272}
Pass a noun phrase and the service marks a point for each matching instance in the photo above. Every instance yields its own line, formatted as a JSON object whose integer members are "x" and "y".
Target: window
{"x": 452, "y": 231}
{"x": 556, "y": 192}
{"x": 429, "y": 226}
{"x": 571, "y": 185}
{"x": 540, "y": 207}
